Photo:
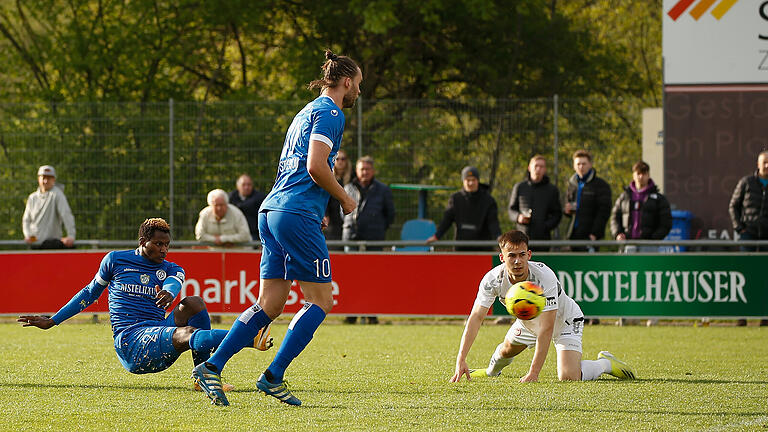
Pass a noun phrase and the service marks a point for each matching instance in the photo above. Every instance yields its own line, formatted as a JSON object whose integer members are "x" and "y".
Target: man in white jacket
{"x": 46, "y": 211}
{"x": 221, "y": 223}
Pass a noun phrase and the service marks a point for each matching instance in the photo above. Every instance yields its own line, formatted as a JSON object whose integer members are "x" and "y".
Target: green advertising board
{"x": 674, "y": 285}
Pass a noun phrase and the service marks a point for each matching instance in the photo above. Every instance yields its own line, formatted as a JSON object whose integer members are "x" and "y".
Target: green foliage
{"x": 150, "y": 51}
{"x": 392, "y": 377}
{"x": 446, "y": 83}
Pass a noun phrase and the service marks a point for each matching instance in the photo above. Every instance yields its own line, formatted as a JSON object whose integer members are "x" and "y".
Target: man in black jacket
{"x": 535, "y": 203}
{"x": 375, "y": 210}
{"x": 474, "y": 211}
{"x": 248, "y": 200}
{"x": 749, "y": 209}
{"x": 588, "y": 201}
{"x": 749, "y": 204}
{"x": 641, "y": 212}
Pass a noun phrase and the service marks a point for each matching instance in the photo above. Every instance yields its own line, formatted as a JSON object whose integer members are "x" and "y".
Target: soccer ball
{"x": 525, "y": 300}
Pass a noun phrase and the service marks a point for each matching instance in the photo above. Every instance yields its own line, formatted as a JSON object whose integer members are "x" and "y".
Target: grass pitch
{"x": 393, "y": 377}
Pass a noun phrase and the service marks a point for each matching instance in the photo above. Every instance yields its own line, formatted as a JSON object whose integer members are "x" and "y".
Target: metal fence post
{"x": 359, "y": 127}
{"x": 170, "y": 160}
{"x": 556, "y": 143}
{"x": 556, "y": 150}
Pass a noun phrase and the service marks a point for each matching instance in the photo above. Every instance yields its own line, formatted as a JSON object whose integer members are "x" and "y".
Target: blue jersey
{"x": 131, "y": 279}
{"x": 294, "y": 189}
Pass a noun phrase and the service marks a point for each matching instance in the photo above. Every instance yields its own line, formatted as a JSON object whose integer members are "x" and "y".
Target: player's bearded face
{"x": 354, "y": 91}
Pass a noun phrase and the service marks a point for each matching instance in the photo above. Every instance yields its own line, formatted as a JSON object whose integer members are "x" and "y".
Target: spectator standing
{"x": 375, "y": 210}
{"x": 535, "y": 203}
{"x": 588, "y": 201}
{"x": 473, "y": 210}
{"x": 588, "y": 204}
{"x": 749, "y": 205}
{"x": 374, "y": 213}
{"x": 640, "y": 212}
{"x": 749, "y": 209}
{"x": 334, "y": 221}
{"x": 248, "y": 200}
{"x": 46, "y": 211}
{"x": 222, "y": 223}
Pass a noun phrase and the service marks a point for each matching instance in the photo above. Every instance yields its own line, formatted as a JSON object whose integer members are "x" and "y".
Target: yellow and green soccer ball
{"x": 525, "y": 300}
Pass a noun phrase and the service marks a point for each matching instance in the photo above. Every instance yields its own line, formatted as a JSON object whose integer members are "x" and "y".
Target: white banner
{"x": 715, "y": 42}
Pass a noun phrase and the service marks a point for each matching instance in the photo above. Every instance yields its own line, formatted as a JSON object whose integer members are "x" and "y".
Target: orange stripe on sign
{"x": 722, "y": 8}
{"x": 700, "y": 8}
{"x": 679, "y": 8}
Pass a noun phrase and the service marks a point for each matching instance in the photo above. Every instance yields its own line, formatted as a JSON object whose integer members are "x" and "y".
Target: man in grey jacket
{"x": 46, "y": 211}
{"x": 375, "y": 210}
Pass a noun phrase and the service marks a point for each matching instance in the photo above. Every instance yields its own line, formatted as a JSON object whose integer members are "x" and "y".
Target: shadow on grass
{"x": 698, "y": 381}
{"x": 183, "y": 387}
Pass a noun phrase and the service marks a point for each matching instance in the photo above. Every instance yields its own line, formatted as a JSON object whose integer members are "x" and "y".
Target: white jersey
{"x": 496, "y": 283}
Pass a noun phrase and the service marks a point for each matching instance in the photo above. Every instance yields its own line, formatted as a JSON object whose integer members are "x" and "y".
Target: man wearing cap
{"x": 47, "y": 209}
{"x": 473, "y": 210}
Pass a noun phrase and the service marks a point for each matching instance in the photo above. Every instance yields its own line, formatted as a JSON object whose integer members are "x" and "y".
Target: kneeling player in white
{"x": 560, "y": 321}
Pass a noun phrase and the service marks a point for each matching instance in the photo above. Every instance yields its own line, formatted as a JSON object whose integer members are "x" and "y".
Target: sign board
{"x": 674, "y": 285}
{"x": 715, "y": 41}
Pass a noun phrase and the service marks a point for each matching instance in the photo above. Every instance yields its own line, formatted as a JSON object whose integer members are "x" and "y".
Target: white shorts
{"x": 567, "y": 336}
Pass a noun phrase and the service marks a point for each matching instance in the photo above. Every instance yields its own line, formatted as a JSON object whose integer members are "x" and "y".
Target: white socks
{"x": 591, "y": 369}
{"x": 497, "y": 362}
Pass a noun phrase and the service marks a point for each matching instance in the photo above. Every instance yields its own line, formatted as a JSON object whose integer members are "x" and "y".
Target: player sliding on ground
{"x": 146, "y": 340}
{"x": 290, "y": 227}
{"x": 560, "y": 321}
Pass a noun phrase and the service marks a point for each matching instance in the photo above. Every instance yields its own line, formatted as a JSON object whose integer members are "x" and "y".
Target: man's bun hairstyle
{"x": 334, "y": 69}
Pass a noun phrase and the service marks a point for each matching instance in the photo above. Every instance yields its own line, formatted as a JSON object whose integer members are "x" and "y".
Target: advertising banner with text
{"x": 229, "y": 281}
{"x": 680, "y": 285}
{"x": 677, "y": 285}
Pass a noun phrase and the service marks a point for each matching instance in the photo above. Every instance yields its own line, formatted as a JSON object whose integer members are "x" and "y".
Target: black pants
{"x": 52, "y": 243}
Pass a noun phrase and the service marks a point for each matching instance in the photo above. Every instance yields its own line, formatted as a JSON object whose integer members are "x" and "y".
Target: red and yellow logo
{"x": 701, "y": 8}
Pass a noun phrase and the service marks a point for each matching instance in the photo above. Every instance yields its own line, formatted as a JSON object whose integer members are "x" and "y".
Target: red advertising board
{"x": 364, "y": 284}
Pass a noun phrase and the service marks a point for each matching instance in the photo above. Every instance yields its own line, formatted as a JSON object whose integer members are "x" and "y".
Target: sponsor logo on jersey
{"x": 334, "y": 112}
{"x": 144, "y": 278}
{"x": 180, "y": 275}
{"x": 130, "y": 270}
{"x": 551, "y": 301}
{"x": 160, "y": 274}
{"x": 136, "y": 289}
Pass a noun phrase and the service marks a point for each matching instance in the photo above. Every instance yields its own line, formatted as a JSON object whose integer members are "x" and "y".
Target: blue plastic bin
{"x": 681, "y": 229}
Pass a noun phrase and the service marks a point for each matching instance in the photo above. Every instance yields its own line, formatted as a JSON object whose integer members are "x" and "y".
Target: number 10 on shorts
{"x": 323, "y": 266}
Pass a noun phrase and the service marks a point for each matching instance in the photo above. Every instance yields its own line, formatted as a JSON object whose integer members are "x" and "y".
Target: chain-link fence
{"x": 120, "y": 163}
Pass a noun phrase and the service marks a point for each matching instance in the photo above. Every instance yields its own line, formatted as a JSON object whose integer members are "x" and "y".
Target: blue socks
{"x": 206, "y": 343}
{"x": 200, "y": 320}
{"x": 300, "y": 332}
{"x": 242, "y": 333}
{"x": 203, "y": 342}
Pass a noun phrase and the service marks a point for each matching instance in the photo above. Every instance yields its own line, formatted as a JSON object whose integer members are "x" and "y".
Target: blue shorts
{"x": 293, "y": 248}
{"x": 148, "y": 346}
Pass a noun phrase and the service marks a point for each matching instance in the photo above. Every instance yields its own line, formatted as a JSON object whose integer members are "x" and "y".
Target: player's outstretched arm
{"x": 474, "y": 322}
{"x": 38, "y": 321}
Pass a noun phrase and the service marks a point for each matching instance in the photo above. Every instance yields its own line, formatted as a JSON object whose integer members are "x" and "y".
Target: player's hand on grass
{"x": 38, "y": 321}
{"x": 530, "y": 377}
{"x": 461, "y": 369}
{"x": 163, "y": 298}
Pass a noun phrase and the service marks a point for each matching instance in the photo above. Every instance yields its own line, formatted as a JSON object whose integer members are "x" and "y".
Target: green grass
{"x": 393, "y": 377}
